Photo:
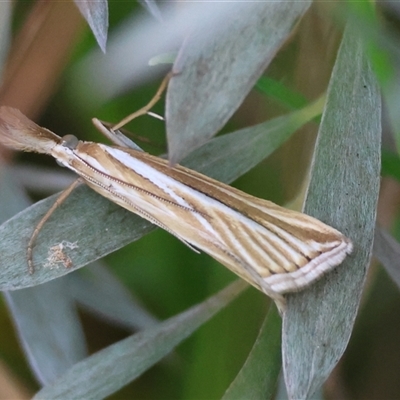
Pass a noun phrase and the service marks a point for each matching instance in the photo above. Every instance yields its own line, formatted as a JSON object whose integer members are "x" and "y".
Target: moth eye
{"x": 70, "y": 141}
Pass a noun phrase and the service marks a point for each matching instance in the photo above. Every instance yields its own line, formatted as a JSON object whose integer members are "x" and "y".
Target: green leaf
{"x": 48, "y": 325}
{"x": 387, "y": 251}
{"x": 259, "y": 375}
{"x": 390, "y": 164}
{"x": 99, "y": 291}
{"x": 281, "y": 93}
{"x": 218, "y": 65}
{"x": 55, "y": 348}
{"x": 112, "y": 368}
{"x": 343, "y": 192}
{"x": 96, "y": 15}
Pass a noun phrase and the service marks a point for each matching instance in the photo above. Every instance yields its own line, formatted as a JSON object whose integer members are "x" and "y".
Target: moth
{"x": 274, "y": 249}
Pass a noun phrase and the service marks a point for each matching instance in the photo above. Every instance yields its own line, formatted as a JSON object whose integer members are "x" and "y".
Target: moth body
{"x": 275, "y": 249}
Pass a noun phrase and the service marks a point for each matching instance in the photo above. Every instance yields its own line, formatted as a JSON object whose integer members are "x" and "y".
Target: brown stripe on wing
{"x": 256, "y": 244}
{"x": 304, "y": 237}
{"x": 300, "y": 225}
{"x": 120, "y": 174}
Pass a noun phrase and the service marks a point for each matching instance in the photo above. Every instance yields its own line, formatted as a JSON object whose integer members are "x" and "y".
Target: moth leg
{"x": 48, "y": 214}
{"x": 113, "y": 132}
{"x": 146, "y": 108}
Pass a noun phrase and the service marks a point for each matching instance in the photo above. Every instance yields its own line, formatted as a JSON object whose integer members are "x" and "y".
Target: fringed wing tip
{"x": 309, "y": 273}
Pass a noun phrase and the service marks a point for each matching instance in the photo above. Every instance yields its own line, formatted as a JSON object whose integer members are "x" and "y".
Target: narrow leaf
{"x": 259, "y": 375}
{"x": 97, "y": 286}
{"x": 218, "y": 65}
{"x": 343, "y": 192}
{"x": 152, "y": 7}
{"x": 49, "y": 328}
{"x": 45, "y": 317}
{"x": 96, "y": 15}
{"x": 112, "y": 368}
{"x": 5, "y": 31}
{"x": 387, "y": 251}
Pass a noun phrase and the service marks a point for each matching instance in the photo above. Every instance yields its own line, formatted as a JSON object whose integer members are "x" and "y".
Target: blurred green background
{"x": 166, "y": 275}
